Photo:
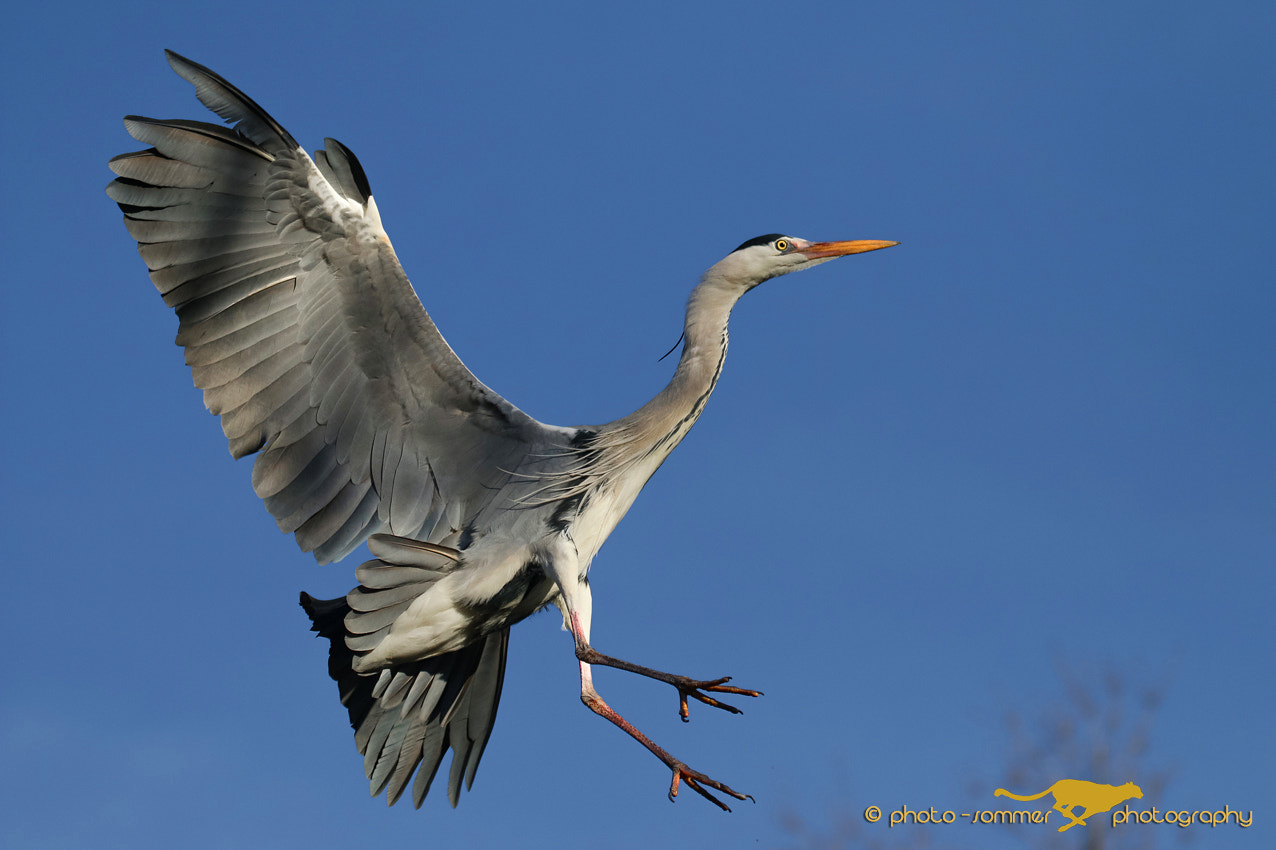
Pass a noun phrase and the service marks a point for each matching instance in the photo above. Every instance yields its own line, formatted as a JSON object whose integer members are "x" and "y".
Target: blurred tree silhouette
{"x": 1099, "y": 729}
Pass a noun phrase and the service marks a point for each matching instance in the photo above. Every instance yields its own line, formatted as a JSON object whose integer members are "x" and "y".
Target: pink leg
{"x": 694, "y": 779}
{"x": 686, "y": 687}
{"x": 576, "y": 602}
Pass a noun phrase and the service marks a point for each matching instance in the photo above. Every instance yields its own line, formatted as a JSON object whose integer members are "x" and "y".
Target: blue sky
{"x": 1041, "y": 429}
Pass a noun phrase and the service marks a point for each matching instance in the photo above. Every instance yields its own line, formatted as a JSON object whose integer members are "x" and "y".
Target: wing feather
{"x": 277, "y": 301}
{"x": 333, "y": 516}
{"x": 304, "y": 333}
{"x": 327, "y": 545}
{"x": 251, "y": 381}
{"x": 191, "y": 300}
{"x": 146, "y": 167}
{"x": 312, "y": 489}
{"x": 215, "y": 348}
{"x": 279, "y": 466}
{"x": 218, "y": 373}
{"x": 353, "y": 434}
{"x": 173, "y": 229}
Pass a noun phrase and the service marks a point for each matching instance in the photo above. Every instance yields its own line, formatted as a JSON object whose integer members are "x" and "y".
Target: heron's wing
{"x": 305, "y": 334}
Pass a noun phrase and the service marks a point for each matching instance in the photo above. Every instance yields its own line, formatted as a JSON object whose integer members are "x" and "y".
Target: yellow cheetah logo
{"x": 1093, "y": 797}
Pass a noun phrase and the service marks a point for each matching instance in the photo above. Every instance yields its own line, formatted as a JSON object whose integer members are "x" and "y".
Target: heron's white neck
{"x": 625, "y": 453}
{"x": 658, "y": 426}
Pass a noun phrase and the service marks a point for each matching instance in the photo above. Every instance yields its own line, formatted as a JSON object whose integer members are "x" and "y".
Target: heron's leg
{"x": 577, "y": 604}
{"x": 695, "y": 780}
{"x": 687, "y": 687}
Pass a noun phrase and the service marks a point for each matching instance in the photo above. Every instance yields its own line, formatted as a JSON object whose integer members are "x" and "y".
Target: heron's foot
{"x": 692, "y": 689}
{"x": 697, "y": 781}
{"x": 688, "y": 688}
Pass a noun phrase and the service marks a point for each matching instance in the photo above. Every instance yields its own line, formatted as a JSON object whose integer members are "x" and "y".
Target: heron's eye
{"x": 781, "y": 245}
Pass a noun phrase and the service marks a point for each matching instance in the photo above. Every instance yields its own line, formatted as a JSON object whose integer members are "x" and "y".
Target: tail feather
{"x": 327, "y": 617}
{"x": 422, "y": 710}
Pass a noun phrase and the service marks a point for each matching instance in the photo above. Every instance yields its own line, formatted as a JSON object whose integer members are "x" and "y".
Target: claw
{"x": 690, "y": 688}
{"x": 694, "y": 778}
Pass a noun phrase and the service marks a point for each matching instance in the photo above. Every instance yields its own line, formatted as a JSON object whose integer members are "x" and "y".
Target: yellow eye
{"x": 781, "y": 245}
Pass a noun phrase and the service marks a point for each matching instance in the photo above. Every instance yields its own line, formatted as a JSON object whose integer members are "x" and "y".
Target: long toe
{"x": 697, "y": 781}
{"x": 693, "y": 689}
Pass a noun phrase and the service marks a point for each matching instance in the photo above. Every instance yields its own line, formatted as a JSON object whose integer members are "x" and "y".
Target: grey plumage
{"x": 258, "y": 273}
{"x": 308, "y": 341}
{"x": 445, "y": 702}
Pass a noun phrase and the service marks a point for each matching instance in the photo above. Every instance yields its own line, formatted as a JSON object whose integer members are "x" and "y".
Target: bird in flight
{"x": 309, "y": 342}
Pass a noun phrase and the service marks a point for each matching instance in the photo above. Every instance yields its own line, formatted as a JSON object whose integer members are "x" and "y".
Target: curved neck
{"x": 659, "y": 425}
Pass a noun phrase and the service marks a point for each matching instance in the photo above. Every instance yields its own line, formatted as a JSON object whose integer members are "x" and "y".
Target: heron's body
{"x": 310, "y": 343}
{"x": 566, "y": 495}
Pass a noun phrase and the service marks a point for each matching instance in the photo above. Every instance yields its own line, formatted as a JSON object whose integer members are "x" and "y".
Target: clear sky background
{"x": 1040, "y": 431}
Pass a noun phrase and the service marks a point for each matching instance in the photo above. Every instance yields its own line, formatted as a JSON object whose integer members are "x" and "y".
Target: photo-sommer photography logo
{"x": 1090, "y": 797}
{"x": 1077, "y": 802}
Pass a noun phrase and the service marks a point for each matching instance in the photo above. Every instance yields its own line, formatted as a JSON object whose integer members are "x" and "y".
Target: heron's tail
{"x": 411, "y": 714}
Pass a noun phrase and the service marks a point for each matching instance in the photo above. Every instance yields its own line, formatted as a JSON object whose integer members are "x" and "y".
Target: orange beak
{"x": 819, "y": 250}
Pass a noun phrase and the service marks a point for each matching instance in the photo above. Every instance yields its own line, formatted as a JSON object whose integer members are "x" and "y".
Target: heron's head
{"x": 772, "y": 255}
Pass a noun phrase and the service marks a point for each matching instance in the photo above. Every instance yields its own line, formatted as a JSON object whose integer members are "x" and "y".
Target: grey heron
{"x": 309, "y": 342}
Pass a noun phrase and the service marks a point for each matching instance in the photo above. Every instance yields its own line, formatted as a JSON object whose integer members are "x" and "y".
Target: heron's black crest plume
{"x": 681, "y": 337}
{"x": 760, "y": 240}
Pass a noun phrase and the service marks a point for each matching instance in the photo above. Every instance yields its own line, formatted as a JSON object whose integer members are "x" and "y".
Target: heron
{"x": 307, "y": 339}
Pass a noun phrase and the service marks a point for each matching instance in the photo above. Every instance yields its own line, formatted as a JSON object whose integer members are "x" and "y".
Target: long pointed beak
{"x": 820, "y": 250}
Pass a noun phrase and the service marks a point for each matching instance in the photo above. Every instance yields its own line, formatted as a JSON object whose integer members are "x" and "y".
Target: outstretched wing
{"x": 304, "y": 333}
